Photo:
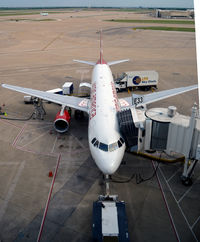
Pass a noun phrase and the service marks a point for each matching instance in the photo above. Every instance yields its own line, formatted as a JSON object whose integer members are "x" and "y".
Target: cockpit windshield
{"x": 110, "y": 147}
{"x": 113, "y": 146}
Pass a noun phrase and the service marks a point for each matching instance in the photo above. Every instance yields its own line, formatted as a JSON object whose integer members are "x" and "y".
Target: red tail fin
{"x": 101, "y": 60}
{"x": 101, "y": 49}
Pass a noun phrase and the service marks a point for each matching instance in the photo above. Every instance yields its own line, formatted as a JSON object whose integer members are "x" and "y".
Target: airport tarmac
{"x": 39, "y": 54}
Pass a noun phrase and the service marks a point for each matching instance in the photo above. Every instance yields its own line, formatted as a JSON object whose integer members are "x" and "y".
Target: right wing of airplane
{"x": 140, "y": 100}
{"x": 69, "y": 101}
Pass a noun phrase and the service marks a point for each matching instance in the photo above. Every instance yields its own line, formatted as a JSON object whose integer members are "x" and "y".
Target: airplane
{"x": 106, "y": 143}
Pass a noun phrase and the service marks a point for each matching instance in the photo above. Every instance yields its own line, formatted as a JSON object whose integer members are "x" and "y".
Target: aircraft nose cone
{"x": 108, "y": 162}
{"x": 110, "y": 167}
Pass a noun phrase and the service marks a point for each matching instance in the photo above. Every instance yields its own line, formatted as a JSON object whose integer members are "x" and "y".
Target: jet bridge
{"x": 163, "y": 129}
{"x": 130, "y": 128}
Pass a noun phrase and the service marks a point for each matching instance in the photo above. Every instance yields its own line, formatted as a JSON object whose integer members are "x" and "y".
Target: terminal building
{"x": 189, "y": 13}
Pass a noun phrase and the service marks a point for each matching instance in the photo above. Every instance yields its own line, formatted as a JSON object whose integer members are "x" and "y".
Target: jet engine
{"x": 61, "y": 122}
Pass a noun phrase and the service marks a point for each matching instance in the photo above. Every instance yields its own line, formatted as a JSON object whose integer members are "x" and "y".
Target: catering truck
{"x": 143, "y": 80}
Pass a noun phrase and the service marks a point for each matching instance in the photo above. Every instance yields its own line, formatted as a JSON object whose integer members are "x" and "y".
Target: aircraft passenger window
{"x": 103, "y": 147}
{"x": 113, "y": 146}
{"x": 119, "y": 143}
{"x": 122, "y": 140}
{"x": 93, "y": 140}
{"x": 96, "y": 144}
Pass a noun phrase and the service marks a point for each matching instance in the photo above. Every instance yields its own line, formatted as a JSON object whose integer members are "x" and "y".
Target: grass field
{"x": 167, "y": 28}
{"x": 29, "y": 12}
{"x": 27, "y": 19}
{"x": 153, "y": 21}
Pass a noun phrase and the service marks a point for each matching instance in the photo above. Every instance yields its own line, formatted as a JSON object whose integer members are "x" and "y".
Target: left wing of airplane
{"x": 140, "y": 100}
{"x": 69, "y": 101}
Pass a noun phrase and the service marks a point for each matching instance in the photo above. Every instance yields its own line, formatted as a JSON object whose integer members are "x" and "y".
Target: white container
{"x": 142, "y": 78}
{"x": 67, "y": 88}
{"x": 28, "y": 99}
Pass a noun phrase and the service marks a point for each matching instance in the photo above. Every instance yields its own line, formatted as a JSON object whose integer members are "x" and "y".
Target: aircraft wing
{"x": 69, "y": 101}
{"x": 140, "y": 100}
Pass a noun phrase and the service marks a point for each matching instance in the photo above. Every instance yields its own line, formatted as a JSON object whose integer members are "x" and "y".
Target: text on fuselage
{"x": 93, "y": 103}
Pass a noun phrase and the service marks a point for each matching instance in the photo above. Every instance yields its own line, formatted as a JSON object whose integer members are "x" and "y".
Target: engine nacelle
{"x": 61, "y": 122}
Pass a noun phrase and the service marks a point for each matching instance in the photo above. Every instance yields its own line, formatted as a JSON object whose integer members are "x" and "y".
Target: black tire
{"x": 79, "y": 114}
{"x": 142, "y": 88}
{"x": 187, "y": 181}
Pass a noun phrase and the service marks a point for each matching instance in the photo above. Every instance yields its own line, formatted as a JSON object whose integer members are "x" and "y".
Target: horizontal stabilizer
{"x": 110, "y": 63}
{"x": 85, "y": 62}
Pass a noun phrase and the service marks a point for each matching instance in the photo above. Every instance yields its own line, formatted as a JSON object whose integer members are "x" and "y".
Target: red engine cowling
{"x": 61, "y": 122}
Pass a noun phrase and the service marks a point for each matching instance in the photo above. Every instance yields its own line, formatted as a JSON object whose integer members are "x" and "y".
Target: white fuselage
{"x": 106, "y": 145}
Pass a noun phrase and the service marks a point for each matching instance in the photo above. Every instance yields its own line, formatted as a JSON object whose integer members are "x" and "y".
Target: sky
{"x": 98, "y": 3}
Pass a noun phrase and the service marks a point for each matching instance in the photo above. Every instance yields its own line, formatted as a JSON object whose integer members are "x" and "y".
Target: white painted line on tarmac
{"x": 185, "y": 193}
{"x": 174, "y": 174}
{"x": 70, "y": 144}
{"x": 39, "y": 122}
{"x": 48, "y": 199}
{"x": 74, "y": 152}
{"x": 35, "y": 139}
{"x": 19, "y": 134}
{"x": 167, "y": 206}
{"x": 178, "y": 206}
{"x": 198, "y": 219}
{"x": 11, "y": 190}
{"x": 42, "y": 127}
{"x": 35, "y": 152}
{"x": 7, "y": 122}
{"x": 54, "y": 144}
{"x": 9, "y": 163}
{"x": 80, "y": 143}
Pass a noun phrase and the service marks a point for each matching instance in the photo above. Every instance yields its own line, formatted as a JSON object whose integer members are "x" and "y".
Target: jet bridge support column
{"x": 189, "y": 167}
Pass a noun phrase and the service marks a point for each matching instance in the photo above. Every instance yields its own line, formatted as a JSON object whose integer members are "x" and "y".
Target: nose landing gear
{"x": 107, "y": 180}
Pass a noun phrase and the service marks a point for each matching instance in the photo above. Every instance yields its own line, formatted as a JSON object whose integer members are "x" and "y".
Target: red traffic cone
{"x": 50, "y": 174}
